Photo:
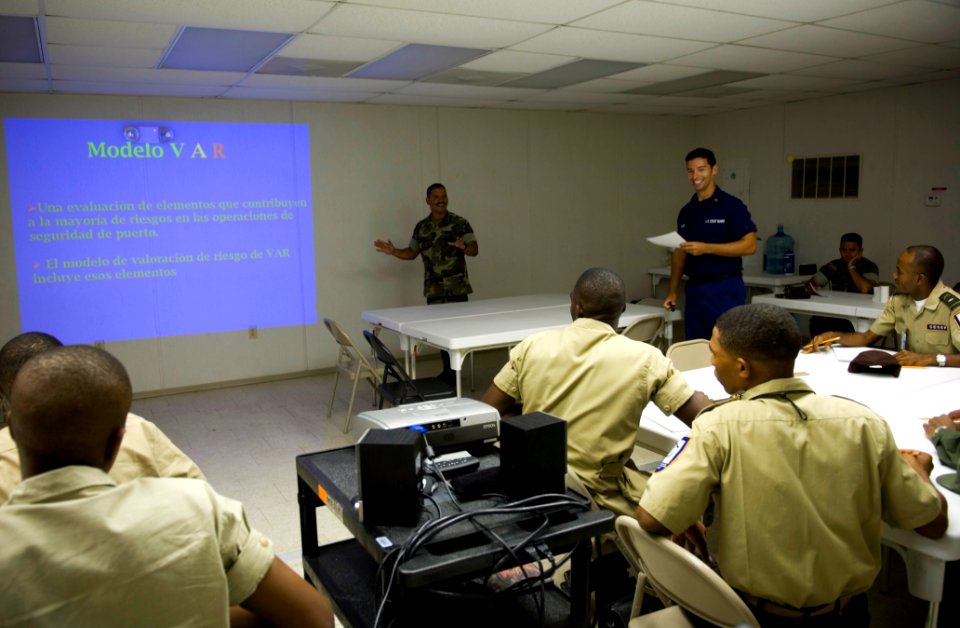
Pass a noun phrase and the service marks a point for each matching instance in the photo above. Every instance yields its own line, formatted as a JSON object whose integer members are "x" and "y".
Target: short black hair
{"x": 929, "y": 259}
{"x": 67, "y": 401}
{"x": 434, "y": 186}
{"x": 854, "y": 237}
{"x": 601, "y": 293}
{"x": 766, "y": 333}
{"x": 17, "y": 351}
{"x": 704, "y": 153}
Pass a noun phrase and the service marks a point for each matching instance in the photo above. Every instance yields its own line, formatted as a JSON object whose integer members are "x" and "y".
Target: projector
{"x": 448, "y": 423}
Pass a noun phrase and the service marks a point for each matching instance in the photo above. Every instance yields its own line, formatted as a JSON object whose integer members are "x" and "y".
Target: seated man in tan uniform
{"x": 800, "y": 482}
{"x": 924, "y": 313}
{"x": 145, "y": 452}
{"x": 79, "y": 549}
{"x": 599, "y": 382}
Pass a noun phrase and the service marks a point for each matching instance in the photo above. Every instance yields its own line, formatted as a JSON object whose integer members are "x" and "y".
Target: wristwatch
{"x": 941, "y": 359}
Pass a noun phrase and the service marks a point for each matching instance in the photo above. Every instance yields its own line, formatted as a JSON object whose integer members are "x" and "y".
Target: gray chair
{"x": 680, "y": 577}
{"x": 352, "y": 363}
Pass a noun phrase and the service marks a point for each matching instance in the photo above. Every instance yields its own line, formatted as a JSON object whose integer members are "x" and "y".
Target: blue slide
{"x": 138, "y": 229}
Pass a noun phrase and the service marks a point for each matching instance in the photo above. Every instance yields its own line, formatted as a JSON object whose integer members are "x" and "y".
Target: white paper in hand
{"x": 670, "y": 240}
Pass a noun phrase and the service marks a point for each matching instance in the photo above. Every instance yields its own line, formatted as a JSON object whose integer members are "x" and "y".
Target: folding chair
{"x": 681, "y": 577}
{"x": 690, "y": 354}
{"x": 646, "y": 329}
{"x": 351, "y": 362}
{"x": 404, "y": 389}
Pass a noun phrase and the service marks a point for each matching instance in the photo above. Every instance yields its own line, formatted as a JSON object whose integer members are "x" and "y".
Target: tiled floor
{"x": 246, "y": 438}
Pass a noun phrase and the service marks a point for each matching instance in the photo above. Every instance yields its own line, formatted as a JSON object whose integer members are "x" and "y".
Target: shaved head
{"x": 599, "y": 294}
{"x": 17, "y": 351}
{"x": 68, "y": 407}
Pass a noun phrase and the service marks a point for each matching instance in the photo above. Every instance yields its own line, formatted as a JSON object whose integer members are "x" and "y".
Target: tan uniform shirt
{"x": 935, "y": 329}
{"x": 144, "y": 452}
{"x": 599, "y": 382}
{"x": 80, "y": 550}
{"x": 800, "y": 489}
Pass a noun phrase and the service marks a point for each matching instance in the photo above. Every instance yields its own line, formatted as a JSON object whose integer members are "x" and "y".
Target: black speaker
{"x": 389, "y": 469}
{"x": 533, "y": 454}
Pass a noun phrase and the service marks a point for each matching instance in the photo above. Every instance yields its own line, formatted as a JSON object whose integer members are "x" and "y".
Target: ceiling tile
{"x": 463, "y": 76}
{"x": 614, "y": 46}
{"x": 23, "y": 85}
{"x": 310, "y": 46}
{"x": 104, "y": 57}
{"x": 438, "y": 29}
{"x": 23, "y": 71}
{"x": 571, "y": 73}
{"x": 307, "y": 67}
{"x": 853, "y": 69}
{"x": 546, "y": 11}
{"x": 932, "y": 57}
{"x": 664, "y": 20}
{"x": 802, "y": 11}
{"x": 277, "y": 93}
{"x": 138, "y": 89}
{"x": 416, "y": 61}
{"x": 606, "y": 85}
{"x": 109, "y": 34}
{"x": 90, "y": 74}
{"x": 526, "y": 105}
{"x": 827, "y": 41}
{"x": 423, "y": 100}
{"x": 575, "y": 97}
{"x": 320, "y": 83}
{"x": 464, "y": 91}
{"x": 513, "y": 61}
{"x": 734, "y": 57}
{"x": 19, "y": 40}
{"x": 265, "y": 15}
{"x": 699, "y": 81}
{"x": 795, "y": 82}
{"x": 219, "y": 49}
{"x": 918, "y": 20}
{"x": 660, "y": 72}
{"x": 29, "y": 8}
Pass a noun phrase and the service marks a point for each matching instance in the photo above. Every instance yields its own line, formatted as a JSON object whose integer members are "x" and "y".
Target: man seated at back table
{"x": 851, "y": 272}
{"x": 599, "y": 382}
{"x": 924, "y": 313}
{"x": 801, "y": 482}
{"x": 79, "y": 549}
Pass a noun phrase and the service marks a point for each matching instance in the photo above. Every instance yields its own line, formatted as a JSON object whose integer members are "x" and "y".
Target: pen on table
{"x": 822, "y": 343}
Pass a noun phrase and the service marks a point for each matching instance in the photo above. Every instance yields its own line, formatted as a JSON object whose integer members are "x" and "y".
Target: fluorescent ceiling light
{"x": 417, "y": 61}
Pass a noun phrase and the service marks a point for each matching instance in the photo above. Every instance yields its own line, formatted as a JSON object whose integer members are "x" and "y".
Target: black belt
{"x": 780, "y": 610}
{"x": 713, "y": 276}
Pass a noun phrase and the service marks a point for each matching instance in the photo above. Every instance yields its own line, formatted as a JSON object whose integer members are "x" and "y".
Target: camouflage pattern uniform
{"x": 444, "y": 265}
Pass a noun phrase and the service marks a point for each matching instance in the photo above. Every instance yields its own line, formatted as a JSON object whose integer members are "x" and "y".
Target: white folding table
{"x": 776, "y": 283}
{"x": 903, "y": 402}
{"x": 460, "y": 328}
{"x": 860, "y": 309}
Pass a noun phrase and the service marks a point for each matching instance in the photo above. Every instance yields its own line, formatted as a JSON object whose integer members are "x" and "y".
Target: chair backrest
{"x": 346, "y": 345}
{"x": 690, "y": 354}
{"x": 645, "y": 329}
{"x": 391, "y": 366}
{"x": 679, "y": 575}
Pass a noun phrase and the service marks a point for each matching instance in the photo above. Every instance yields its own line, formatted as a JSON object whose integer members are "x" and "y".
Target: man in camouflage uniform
{"x": 444, "y": 240}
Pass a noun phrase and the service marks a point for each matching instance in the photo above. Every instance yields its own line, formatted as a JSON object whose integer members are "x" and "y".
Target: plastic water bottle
{"x": 776, "y": 253}
{"x": 788, "y": 262}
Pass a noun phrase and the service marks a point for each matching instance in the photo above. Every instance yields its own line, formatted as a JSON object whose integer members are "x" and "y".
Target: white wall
{"x": 548, "y": 194}
{"x": 909, "y": 140}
